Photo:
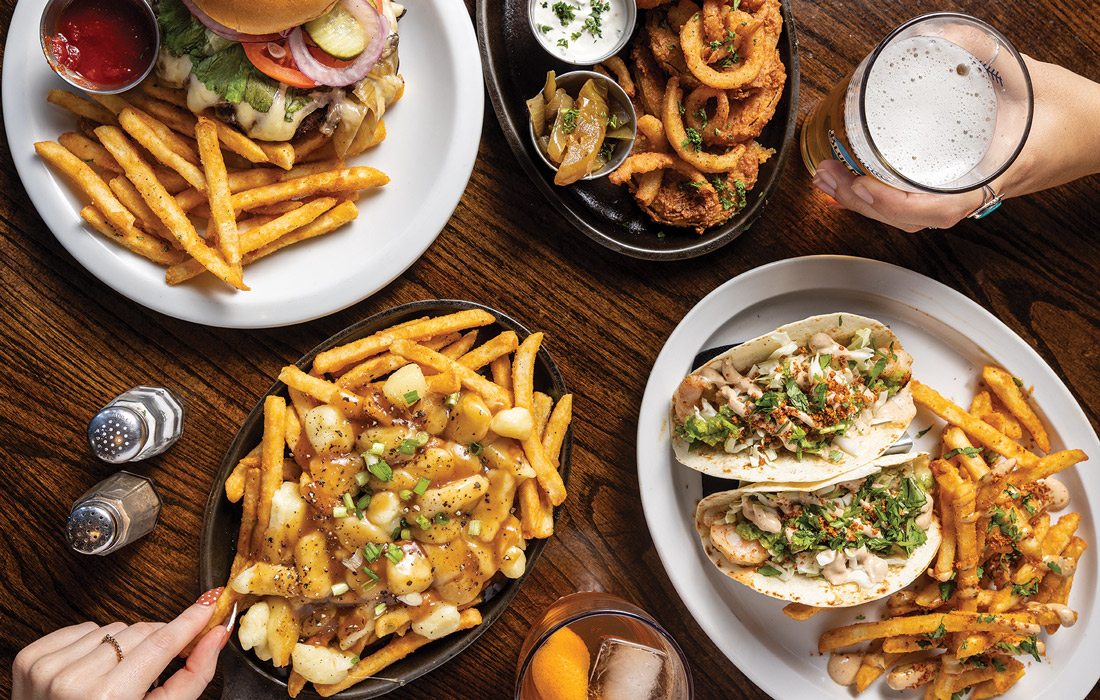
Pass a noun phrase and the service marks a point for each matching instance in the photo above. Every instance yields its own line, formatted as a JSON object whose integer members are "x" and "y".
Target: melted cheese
{"x": 173, "y": 70}
{"x": 266, "y": 126}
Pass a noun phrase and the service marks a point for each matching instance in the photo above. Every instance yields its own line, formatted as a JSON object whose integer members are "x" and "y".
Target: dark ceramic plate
{"x": 245, "y": 675}
{"x": 515, "y": 68}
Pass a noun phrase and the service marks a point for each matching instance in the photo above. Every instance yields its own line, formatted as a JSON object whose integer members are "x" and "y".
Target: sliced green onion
{"x": 339, "y": 589}
{"x": 370, "y": 572}
{"x": 369, "y": 585}
{"x": 451, "y": 401}
{"x": 475, "y": 448}
{"x": 381, "y": 470}
{"x": 405, "y": 494}
{"x": 371, "y": 551}
{"x": 421, "y": 486}
{"x": 355, "y": 661}
{"x": 363, "y": 502}
{"x": 423, "y": 523}
{"x": 370, "y": 458}
{"x": 348, "y": 502}
{"x": 362, "y": 478}
{"x": 411, "y": 397}
{"x": 408, "y": 445}
{"x": 406, "y": 534}
{"x": 395, "y": 554}
{"x": 396, "y": 534}
{"x": 441, "y": 519}
{"x": 339, "y": 512}
{"x": 377, "y": 448}
{"x": 379, "y": 609}
{"x": 475, "y": 528}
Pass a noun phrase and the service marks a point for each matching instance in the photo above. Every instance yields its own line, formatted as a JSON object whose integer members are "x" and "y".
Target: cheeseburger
{"x": 281, "y": 69}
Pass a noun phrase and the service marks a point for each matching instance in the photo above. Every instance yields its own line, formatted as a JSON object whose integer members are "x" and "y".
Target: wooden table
{"x": 68, "y": 343}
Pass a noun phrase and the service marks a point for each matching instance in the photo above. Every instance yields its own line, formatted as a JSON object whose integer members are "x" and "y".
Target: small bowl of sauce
{"x": 582, "y": 32}
{"x": 100, "y": 46}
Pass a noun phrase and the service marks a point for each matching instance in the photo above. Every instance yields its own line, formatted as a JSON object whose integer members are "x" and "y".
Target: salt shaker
{"x": 113, "y": 513}
{"x": 138, "y": 424}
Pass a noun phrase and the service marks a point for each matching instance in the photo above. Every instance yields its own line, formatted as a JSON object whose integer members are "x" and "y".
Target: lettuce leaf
{"x": 181, "y": 33}
{"x": 230, "y": 74}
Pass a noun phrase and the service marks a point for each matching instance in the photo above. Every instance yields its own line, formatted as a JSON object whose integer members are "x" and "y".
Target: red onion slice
{"x": 376, "y": 27}
{"x": 224, "y": 31}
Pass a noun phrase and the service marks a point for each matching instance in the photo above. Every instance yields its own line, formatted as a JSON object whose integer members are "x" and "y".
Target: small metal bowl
{"x": 631, "y": 8}
{"x": 47, "y": 27}
{"x": 573, "y": 81}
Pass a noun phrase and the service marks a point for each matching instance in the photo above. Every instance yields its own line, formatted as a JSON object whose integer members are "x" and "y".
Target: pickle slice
{"x": 338, "y": 33}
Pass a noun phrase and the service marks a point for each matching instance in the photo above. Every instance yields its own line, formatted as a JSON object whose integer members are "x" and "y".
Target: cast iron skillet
{"x": 515, "y": 69}
{"x": 246, "y": 676}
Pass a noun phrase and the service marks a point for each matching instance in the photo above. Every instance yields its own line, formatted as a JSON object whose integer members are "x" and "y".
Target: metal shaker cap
{"x": 91, "y": 529}
{"x": 116, "y": 434}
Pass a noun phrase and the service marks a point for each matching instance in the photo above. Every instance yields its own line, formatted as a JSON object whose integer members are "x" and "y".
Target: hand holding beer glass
{"x": 940, "y": 122}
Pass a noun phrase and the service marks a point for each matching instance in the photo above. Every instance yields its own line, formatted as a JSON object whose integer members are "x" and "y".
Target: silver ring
{"x": 108, "y": 639}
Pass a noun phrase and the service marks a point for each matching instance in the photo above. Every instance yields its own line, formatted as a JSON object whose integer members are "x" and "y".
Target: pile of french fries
{"x": 407, "y": 470}
{"x": 155, "y": 176}
{"x": 1005, "y": 567}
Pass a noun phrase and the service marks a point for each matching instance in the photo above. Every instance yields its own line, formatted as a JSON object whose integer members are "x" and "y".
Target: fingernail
{"x": 225, "y": 638}
{"x": 210, "y": 597}
{"x": 863, "y": 193}
{"x": 824, "y": 187}
{"x": 829, "y": 182}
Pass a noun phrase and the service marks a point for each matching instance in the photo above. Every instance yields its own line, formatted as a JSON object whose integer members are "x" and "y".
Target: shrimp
{"x": 688, "y": 395}
{"x": 738, "y": 550}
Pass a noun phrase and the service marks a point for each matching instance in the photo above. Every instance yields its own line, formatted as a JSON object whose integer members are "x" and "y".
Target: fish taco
{"x": 837, "y": 543}
{"x": 806, "y": 402}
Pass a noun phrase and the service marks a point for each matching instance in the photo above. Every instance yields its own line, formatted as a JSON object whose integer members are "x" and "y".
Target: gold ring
{"x": 108, "y": 639}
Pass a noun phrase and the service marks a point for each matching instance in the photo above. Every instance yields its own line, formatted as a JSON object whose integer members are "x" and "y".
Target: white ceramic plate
{"x": 432, "y": 138}
{"x": 950, "y": 338}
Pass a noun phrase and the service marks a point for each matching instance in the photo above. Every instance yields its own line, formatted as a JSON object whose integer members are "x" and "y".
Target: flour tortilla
{"x": 786, "y": 467}
{"x": 817, "y": 591}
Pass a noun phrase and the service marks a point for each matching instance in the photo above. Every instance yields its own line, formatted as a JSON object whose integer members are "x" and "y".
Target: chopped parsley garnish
{"x": 565, "y": 12}
{"x": 694, "y": 139}
{"x": 544, "y": 28}
{"x": 606, "y": 151}
{"x": 938, "y": 632}
{"x": 768, "y": 570}
{"x": 968, "y": 451}
{"x": 710, "y": 431}
{"x": 923, "y": 432}
{"x": 1053, "y": 566}
{"x": 1026, "y": 590}
{"x": 947, "y": 589}
{"x": 701, "y": 115}
{"x": 569, "y": 120}
{"x": 563, "y": 42}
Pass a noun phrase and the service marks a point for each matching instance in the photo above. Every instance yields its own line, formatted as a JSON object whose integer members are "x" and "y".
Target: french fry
{"x": 389, "y": 654}
{"x": 357, "y": 178}
{"x": 182, "y": 121}
{"x": 308, "y": 145}
{"x": 1001, "y": 681}
{"x": 540, "y": 411}
{"x": 217, "y": 184}
{"x": 141, "y": 132}
{"x": 955, "y": 621}
{"x": 536, "y": 515}
{"x": 89, "y": 151}
{"x": 280, "y": 154}
{"x": 239, "y": 181}
{"x": 1004, "y": 385}
{"x": 131, "y": 199}
{"x": 91, "y": 185}
{"x": 1048, "y": 466}
{"x": 81, "y": 107}
{"x": 979, "y": 430}
{"x": 909, "y": 643}
{"x": 547, "y": 475}
{"x": 271, "y": 464}
{"x": 944, "y": 567}
{"x": 328, "y": 222}
{"x": 800, "y": 611}
{"x": 182, "y": 146}
{"x": 235, "y": 482}
{"x": 336, "y": 359}
{"x": 113, "y": 103}
{"x": 458, "y": 347}
{"x": 165, "y": 207}
{"x": 327, "y": 392}
{"x": 523, "y": 371}
{"x": 145, "y": 245}
{"x": 278, "y": 209}
{"x": 173, "y": 96}
{"x": 556, "y": 428}
{"x": 491, "y": 350}
{"x": 494, "y": 396}
{"x": 955, "y": 440}
{"x": 501, "y": 371}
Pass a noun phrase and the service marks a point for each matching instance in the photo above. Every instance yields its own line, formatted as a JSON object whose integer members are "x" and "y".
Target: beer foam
{"x": 931, "y": 109}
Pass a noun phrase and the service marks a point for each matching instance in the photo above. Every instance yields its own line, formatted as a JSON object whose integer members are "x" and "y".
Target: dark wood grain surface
{"x": 68, "y": 344}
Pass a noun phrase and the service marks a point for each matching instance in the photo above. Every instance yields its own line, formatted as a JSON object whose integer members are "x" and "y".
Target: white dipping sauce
{"x": 579, "y": 31}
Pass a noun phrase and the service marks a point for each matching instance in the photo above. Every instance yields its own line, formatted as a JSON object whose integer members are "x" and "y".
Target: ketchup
{"x": 108, "y": 42}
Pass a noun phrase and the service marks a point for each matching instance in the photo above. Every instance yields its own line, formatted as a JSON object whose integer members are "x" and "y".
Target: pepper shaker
{"x": 138, "y": 424}
{"x": 118, "y": 510}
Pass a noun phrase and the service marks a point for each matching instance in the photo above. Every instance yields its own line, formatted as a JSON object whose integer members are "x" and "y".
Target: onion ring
{"x": 642, "y": 163}
{"x": 617, "y": 66}
{"x": 650, "y": 82}
{"x": 759, "y": 51}
{"x": 678, "y": 139}
{"x": 649, "y": 184}
{"x": 697, "y": 100}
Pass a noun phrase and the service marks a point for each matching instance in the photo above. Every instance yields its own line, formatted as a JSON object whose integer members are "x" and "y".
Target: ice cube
{"x": 626, "y": 671}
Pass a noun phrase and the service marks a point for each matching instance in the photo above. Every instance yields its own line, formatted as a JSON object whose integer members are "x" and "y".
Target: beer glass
{"x": 943, "y": 104}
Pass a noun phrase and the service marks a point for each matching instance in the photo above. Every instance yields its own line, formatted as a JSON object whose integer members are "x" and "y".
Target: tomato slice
{"x": 284, "y": 69}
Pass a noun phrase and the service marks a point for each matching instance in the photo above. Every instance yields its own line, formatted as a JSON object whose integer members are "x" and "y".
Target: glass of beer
{"x": 943, "y": 104}
{"x": 596, "y": 645}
